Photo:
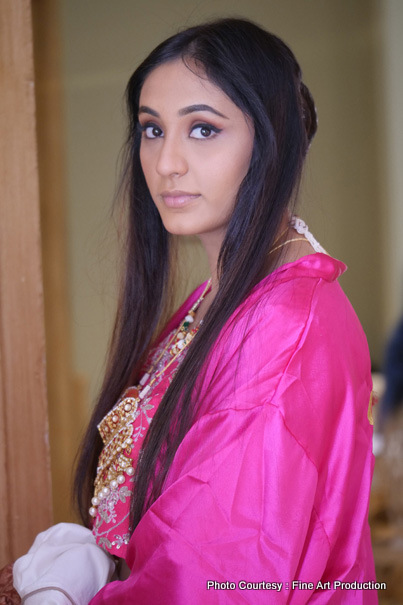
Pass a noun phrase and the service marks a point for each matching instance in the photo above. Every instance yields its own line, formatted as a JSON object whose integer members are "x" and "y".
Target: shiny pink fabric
{"x": 272, "y": 482}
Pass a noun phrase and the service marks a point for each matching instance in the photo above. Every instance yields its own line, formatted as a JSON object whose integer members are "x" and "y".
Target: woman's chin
{"x": 176, "y": 227}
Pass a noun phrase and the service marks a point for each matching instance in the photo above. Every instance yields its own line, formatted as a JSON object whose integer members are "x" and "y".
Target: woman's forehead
{"x": 181, "y": 84}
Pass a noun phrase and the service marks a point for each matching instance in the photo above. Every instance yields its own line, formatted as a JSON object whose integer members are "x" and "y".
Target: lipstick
{"x": 177, "y": 199}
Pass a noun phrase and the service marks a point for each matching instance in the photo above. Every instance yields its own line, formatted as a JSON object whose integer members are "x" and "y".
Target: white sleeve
{"x": 66, "y": 562}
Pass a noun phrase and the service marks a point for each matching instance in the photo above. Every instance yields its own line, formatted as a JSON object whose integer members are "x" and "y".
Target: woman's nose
{"x": 171, "y": 159}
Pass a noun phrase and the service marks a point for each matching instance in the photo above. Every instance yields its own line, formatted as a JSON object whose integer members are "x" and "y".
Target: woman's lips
{"x": 176, "y": 199}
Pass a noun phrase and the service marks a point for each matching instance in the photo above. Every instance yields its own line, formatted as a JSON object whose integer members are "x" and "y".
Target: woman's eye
{"x": 204, "y": 131}
{"x": 151, "y": 131}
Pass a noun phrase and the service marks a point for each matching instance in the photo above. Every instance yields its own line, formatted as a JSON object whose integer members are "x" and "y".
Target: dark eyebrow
{"x": 183, "y": 112}
{"x": 145, "y": 109}
{"x": 192, "y": 108}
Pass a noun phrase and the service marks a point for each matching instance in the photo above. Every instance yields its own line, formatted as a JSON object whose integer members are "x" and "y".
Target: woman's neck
{"x": 291, "y": 247}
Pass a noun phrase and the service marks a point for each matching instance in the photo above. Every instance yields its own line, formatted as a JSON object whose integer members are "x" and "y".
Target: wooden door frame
{"x": 25, "y": 495}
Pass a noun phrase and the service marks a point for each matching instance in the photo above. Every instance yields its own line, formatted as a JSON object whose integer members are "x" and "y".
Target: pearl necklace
{"x": 116, "y": 428}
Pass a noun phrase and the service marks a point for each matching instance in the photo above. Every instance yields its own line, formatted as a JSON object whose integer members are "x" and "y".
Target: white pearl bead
{"x": 144, "y": 379}
{"x": 114, "y": 484}
{"x": 128, "y": 407}
{"x": 130, "y": 471}
{"x": 92, "y": 511}
{"x": 115, "y": 418}
{"x": 144, "y": 391}
{"x": 121, "y": 479}
{"x": 105, "y": 491}
{"x": 95, "y": 501}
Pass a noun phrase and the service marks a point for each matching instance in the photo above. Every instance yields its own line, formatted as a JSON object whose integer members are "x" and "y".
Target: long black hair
{"x": 260, "y": 74}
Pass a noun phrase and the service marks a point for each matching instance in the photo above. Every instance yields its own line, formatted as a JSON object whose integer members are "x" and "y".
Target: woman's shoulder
{"x": 284, "y": 302}
{"x": 304, "y": 302}
{"x": 297, "y": 348}
{"x": 298, "y": 325}
{"x": 307, "y": 271}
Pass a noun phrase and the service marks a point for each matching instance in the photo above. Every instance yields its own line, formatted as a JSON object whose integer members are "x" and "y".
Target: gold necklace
{"x": 281, "y": 234}
{"x": 116, "y": 428}
{"x": 294, "y": 239}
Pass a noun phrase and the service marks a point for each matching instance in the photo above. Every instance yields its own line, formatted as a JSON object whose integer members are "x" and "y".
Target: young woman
{"x": 229, "y": 456}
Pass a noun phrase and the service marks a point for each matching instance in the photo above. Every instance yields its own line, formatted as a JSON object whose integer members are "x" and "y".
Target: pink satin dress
{"x": 267, "y": 497}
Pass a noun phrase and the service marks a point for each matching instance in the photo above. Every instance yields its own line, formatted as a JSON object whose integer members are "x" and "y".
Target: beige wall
{"x": 389, "y": 94}
{"x": 338, "y": 45}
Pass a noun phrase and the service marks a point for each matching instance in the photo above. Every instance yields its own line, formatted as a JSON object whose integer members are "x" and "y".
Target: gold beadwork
{"x": 117, "y": 417}
{"x": 116, "y": 428}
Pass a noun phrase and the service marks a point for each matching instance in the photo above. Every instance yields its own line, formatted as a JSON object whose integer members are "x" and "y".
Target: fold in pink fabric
{"x": 267, "y": 497}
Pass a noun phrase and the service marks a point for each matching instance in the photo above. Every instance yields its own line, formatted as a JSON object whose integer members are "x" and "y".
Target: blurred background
{"x": 350, "y": 54}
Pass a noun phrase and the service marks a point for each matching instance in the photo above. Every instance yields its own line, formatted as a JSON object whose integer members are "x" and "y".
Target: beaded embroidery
{"x": 122, "y": 431}
{"x": 125, "y": 428}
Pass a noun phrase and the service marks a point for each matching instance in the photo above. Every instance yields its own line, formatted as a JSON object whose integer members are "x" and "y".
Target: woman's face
{"x": 195, "y": 150}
